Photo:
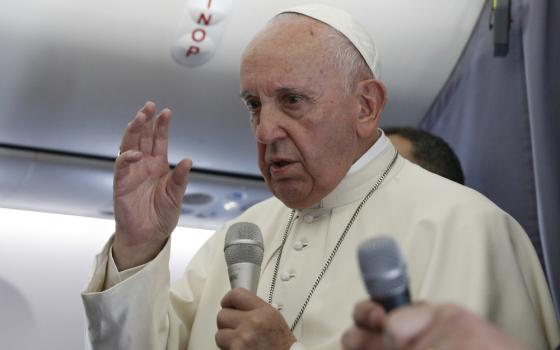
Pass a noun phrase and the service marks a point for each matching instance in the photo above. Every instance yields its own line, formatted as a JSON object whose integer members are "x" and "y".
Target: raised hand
{"x": 147, "y": 196}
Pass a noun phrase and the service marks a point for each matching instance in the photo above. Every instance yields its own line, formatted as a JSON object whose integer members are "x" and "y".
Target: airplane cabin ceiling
{"x": 74, "y": 72}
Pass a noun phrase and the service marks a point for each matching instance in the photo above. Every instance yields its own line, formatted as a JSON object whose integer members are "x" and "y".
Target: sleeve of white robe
{"x": 138, "y": 313}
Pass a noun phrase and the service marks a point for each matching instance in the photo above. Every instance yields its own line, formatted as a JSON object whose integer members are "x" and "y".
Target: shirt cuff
{"x": 114, "y": 276}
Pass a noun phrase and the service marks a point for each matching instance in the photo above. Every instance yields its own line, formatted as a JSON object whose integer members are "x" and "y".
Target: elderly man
{"x": 309, "y": 80}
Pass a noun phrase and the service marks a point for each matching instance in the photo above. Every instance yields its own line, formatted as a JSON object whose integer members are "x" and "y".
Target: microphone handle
{"x": 244, "y": 275}
{"x": 390, "y": 302}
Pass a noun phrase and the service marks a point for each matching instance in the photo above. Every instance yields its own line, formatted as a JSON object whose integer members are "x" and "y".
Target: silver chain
{"x": 333, "y": 252}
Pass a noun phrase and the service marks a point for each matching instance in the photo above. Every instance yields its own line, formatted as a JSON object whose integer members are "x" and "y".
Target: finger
{"x": 127, "y": 158}
{"x": 450, "y": 325}
{"x": 161, "y": 134}
{"x": 361, "y": 339}
{"x": 131, "y": 137}
{"x": 229, "y": 318}
{"x": 224, "y": 338}
{"x": 123, "y": 162}
{"x": 406, "y": 324}
{"x": 177, "y": 182}
{"x": 130, "y": 156}
{"x": 147, "y": 135}
{"x": 369, "y": 315}
{"x": 242, "y": 299}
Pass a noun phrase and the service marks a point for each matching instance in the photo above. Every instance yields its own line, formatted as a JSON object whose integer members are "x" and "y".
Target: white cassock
{"x": 459, "y": 248}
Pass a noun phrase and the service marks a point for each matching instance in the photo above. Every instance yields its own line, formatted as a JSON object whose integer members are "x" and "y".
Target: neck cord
{"x": 333, "y": 252}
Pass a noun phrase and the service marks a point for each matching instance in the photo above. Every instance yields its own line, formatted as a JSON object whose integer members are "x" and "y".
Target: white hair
{"x": 343, "y": 54}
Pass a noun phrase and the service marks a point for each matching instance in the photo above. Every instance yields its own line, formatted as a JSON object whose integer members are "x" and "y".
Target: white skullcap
{"x": 345, "y": 24}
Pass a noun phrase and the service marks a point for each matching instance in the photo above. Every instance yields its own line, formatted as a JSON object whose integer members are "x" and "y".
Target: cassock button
{"x": 308, "y": 218}
{"x": 299, "y": 245}
{"x": 285, "y": 276}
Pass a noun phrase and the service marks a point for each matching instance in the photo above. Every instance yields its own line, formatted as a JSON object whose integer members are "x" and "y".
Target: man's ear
{"x": 372, "y": 96}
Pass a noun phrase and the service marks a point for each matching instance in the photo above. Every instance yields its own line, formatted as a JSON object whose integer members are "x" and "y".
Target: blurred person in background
{"x": 429, "y": 151}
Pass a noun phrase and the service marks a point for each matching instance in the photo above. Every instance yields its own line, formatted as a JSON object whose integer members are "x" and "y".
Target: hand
{"x": 248, "y": 322}
{"x": 424, "y": 326}
{"x": 367, "y": 332}
{"x": 147, "y": 196}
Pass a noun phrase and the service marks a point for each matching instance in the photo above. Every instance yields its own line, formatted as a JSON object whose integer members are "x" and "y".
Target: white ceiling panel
{"x": 75, "y": 71}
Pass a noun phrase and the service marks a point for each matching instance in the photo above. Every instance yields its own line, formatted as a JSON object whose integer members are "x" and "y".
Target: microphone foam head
{"x": 383, "y": 268}
{"x": 243, "y": 244}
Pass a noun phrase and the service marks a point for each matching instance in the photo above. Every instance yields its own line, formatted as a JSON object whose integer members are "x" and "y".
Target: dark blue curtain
{"x": 502, "y": 117}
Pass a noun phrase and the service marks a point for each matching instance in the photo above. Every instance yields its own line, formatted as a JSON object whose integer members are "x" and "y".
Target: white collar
{"x": 371, "y": 153}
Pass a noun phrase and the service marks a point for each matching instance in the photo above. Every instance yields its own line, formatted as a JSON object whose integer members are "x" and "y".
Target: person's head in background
{"x": 429, "y": 151}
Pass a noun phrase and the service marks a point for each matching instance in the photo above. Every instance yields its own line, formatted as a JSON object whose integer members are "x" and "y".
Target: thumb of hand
{"x": 177, "y": 183}
{"x": 405, "y": 324}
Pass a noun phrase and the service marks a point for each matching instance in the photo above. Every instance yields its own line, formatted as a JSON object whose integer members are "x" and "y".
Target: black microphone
{"x": 243, "y": 248}
{"x": 384, "y": 272}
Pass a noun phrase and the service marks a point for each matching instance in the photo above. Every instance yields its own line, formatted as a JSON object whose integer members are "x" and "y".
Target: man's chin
{"x": 292, "y": 196}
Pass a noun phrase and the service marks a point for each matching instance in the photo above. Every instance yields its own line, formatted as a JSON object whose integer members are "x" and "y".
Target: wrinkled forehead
{"x": 285, "y": 57}
{"x": 289, "y": 32}
{"x": 294, "y": 48}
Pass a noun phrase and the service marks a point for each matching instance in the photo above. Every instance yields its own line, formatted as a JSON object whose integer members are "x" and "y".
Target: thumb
{"x": 405, "y": 324}
{"x": 177, "y": 182}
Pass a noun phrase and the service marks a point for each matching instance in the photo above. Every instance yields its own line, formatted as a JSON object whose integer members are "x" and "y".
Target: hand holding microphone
{"x": 246, "y": 321}
{"x": 388, "y": 322}
{"x": 384, "y": 273}
{"x": 422, "y": 326}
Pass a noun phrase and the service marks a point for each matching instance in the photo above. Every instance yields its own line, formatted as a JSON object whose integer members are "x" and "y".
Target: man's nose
{"x": 269, "y": 127}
